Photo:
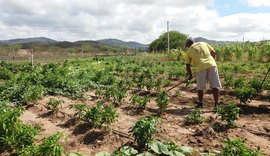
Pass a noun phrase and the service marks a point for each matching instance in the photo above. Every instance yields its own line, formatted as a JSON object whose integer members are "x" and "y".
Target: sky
{"x": 134, "y": 20}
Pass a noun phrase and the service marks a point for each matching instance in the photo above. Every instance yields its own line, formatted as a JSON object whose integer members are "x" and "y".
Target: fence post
{"x": 32, "y": 57}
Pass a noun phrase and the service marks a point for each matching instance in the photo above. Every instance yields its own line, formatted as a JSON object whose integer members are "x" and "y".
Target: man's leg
{"x": 201, "y": 85}
{"x": 214, "y": 81}
{"x": 215, "y": 94}
{"x": 200, "y": 98}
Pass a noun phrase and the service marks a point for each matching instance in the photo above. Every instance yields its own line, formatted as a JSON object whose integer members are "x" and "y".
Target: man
{"x": 202, "y": 57}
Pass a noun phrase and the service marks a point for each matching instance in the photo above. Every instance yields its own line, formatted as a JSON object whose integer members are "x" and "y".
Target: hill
{"x": 29, "y": 40}
{"x": 129, "y": 44}
{"x": 201, "y": 39}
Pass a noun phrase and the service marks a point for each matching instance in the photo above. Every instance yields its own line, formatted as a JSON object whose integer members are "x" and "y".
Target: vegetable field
{"x": 121, "y": 106}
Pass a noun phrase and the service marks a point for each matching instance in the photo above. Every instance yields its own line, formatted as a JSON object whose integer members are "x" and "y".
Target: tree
{"x": 177, "y": 40}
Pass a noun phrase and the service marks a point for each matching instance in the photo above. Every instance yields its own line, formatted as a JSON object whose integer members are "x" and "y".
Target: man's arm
{"x": 213, "y": 53}
{"x": 189, "y": 72}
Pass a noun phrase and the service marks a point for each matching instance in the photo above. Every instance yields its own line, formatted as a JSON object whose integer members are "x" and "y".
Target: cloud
{"x": 258, "y": 3}
{"x": 140, "y": 20}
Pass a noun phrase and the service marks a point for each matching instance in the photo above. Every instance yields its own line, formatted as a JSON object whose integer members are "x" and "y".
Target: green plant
{"x": 255, "y": 83}
{"x": 143, "y": 130}
{"x": 13, "y": 133}
{"x": 51, "y": 146}
{"x": 237, "y": 147}
{"x": 239, "y": 82}
{"x": 228, "y": 80}
{"x": 244, "y": 94}
{"x": 229, "y": 113}
{"x": 54, "y": 105}
{"x": 125, "y": 151}
{"x": 100, "y": 115}
{"x": 194, "y": 117}
{"x": 170, "y": 149}
{"x": 162, "y": 101}
{"x": 177, "y": 93}
{"x": 141, "y": 101}
{"x": 80, "y": 110}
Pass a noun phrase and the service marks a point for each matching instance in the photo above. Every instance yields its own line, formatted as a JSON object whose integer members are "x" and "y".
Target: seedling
{"x": 228, "y": 113}
{"x": 54, "y": 105}
{"x": 143, "y": 130}
{"x": 194, "y": 117}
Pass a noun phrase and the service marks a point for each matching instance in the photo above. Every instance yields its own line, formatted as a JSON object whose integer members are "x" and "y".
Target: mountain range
{"x": 111, "y": 42}
{"x": 66, "y": 44}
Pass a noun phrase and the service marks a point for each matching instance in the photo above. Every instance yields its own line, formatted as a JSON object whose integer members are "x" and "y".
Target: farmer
{"x": 202, "y": 57}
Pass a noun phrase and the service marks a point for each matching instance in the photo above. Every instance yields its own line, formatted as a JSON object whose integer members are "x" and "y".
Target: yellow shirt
{"x": 200, "y": 57}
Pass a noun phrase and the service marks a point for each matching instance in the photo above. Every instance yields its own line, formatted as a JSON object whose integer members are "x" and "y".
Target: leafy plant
{"x": 100, "y": 115}
{"x": 141, "y": 101}
{"x": 239, "y": 82}
{"x": 143, "y": 130}
{"x": 170, "y": 149}
{"x": 228, "y": 80}
{"x": 162, "y": 101}
{"x": 255, "y": 83}
{"x": 51, "y": 146}
{"x": 229, "y": 113}
{"x": 80, "y": 110}
{"x": 54, "y": 105}
{"x": 237, "y": 147}
{"x": 244, "y": 94}
{"x": 13, "y": 133}
{"x": 125, "y": 151}
{"x": 194, "y": 117}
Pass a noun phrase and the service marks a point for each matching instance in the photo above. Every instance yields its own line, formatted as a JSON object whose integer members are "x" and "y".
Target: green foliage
{"x": 228, "y": 80}
{"x": 194, "y": 117}
{"x": 255, "y": 83}
{"x": 238, "y": 83}
{"x": 13, "y": 133}
{"x": 237, "y": 147}
{"x": 50, "y": 146}
{"x": 141, "y": 101}
{"x": 228, "y": 113}
{"x": 54, "y": 105}
{"x": 125, "y": 151}
{"x": 143, "y": 130}
{"x": 80, "y": 110}
{"x": 170, "y": 149}
{"x": 100, "y": 115}
{"x": 244, "y": 94}
{"x": 162, "y": 101}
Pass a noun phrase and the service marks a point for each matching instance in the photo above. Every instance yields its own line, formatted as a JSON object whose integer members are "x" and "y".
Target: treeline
{"x": 238, "y": 51}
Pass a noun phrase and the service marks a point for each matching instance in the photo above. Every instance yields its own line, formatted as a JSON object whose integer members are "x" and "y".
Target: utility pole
{"x": 168, "y": 31}
{"x": 32, "y": 57}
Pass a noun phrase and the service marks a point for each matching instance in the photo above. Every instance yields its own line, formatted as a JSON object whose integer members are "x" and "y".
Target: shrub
{"x": 194, "y": 117}
{"x": 228, "y": 113}
{"x": 143, "y": 130}
{"x": 237, "y": 147}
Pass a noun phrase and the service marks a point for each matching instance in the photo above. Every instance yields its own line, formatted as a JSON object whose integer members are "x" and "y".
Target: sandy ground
{"x": 253, "y": 124}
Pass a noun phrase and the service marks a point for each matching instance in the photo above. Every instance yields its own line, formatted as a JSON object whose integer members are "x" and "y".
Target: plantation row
{"x": 138, "y": 78}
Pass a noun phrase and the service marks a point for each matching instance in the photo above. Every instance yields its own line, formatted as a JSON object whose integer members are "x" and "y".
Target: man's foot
{"x": 199, "y": 104}
{"x": 218, "y": 104}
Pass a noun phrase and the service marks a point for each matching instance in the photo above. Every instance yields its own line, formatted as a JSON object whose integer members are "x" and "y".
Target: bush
{"x": 237, "y": 147}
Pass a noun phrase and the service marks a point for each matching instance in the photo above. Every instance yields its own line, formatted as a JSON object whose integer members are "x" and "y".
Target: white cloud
{"x": 140, "y": 20}
{"x": 259, "y": 3}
